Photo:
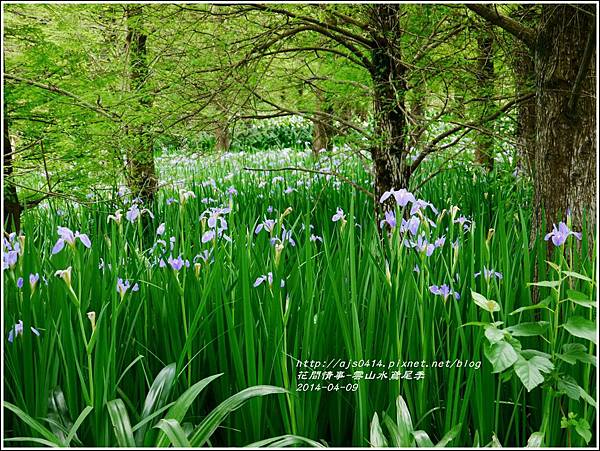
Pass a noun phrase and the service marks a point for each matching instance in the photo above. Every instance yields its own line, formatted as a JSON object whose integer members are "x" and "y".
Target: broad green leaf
{"x": 535, "y": 440}
{"x": 577, "y": 276}
{"x": 180, "y": 407}
{"x": 582, "y": 328}
{"x": 210, "y": 424}
{"x": 486, "y": 304}
{"x": 528, "y": 329}
{"x": 501, "y": 355}
{"x": 574, "y": 352}
{"x": 493, "y": 334}
{"x": 530, "y": 371}
{"x": 174, "y": 432}
{"x": 33, "y": 424}
{"x": 121, "y": 424}
{"x": 422, "y": 439}
{"x": 449, "y": 436}
{"x": 583, "y": 429}
{"x": 156, "y": 398}
{"x": 404, "y": 422}
{"x": 376, "y": 437}
{"x": 580, "y": 298}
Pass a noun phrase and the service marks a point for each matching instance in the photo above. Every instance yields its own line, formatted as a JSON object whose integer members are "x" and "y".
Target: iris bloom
{"x": 20, "y": 283}
{"x": 65, "y": 274}
{"x": 489, "y": 273}
{"x": 161, "y": 229}
{"x": 267, "y": 224}
{"x": 315, "y": 238}
{"x": 389, "y": 219}
{"x": 116, "y": 217}
{"x": 419, "y": 204}
{"x": 412, "y": 225}
{"x": 124, "y": 285}
{"x": 67, "y": 236}
{"x": 339, "y": 215}
{"x": 559, "y": 235}
{"x": 401, "y": 196}
{"x": 33, "y": 280}
{"x": 444, "y": 291}
{"x": 267, "y": 278}
{"x": 18, "y": 330}
{"x": 423, "y": 246}
{"x": 177, "y": 263}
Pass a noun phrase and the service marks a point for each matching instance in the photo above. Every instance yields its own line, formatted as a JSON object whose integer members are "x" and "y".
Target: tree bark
{"x": 12, "y": 207}
{"x": 485, "y": 78}
{"x": 322, "y": 126}
{"x": 565, "y": 168}
{"x": 222, "y": 137}
{"x": 389, "y": 83}
{"x": 142, "y": 178}
{"x": 523, "y": 69}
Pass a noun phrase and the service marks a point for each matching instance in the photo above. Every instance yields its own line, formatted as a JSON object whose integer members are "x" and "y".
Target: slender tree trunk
{"x": 565, "y": 154}
{"x": 222, "y": 137}
{"x": 12, "y": 207}
{"x": 389, "y": 82}
{"x": 142, "y": 177}
{"x": 485, "y": 77}
{"x": 322, "y": 126}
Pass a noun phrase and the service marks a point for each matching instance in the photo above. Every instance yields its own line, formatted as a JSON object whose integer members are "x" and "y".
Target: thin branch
{"x": 514, "y": 27}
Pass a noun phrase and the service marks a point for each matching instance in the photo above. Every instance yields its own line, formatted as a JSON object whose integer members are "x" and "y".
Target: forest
{"x": 299, "y": 225}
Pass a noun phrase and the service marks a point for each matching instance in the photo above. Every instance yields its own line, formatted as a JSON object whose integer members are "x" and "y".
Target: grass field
{"x": 172, "y": 311}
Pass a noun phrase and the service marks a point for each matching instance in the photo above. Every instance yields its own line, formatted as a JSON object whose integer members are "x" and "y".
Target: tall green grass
{"x": 353, "y": 296}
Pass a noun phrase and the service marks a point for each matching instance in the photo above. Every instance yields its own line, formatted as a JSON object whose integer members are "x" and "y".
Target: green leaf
{"x": 179, "y": 409}
{"x": 376, "y": 437}
{"x": 583, "y": 429}
{"x": 542, "y": 304}
{"x": 582, "y": 328}
{"x": 528, "y": 329}
{"x": 121, "y": 424}
{"x": 174, "y": 432}
{"x": 580, "y": 298}
{"x": 422, "y": 439}
{"x": 535, "y": 440}
{"x": 486, "y": 304}
{"x": 493, "y": 334}
{"x": 530, "y": 371}
{"x": 501, "y": 355}
{"x": 82, "y": 416}
{"x": 210, "y": 424}
{"x": 546, "y": 283}
{"x": 576, "y": 275}
{"x": 283, "y": 441}
{"x": 576, "y": 352}
{"x": 156, "y": 398}
{"x": 33, "y": 424}
{"x": 404, "y": 422}
{"x": 449, "y": 436}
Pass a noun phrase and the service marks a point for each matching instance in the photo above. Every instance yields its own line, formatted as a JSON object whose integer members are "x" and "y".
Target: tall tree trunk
{"x": 142, "y": 177}
{"x": 523, "y": 69}
{"x": 389, "y": 83}
{"x": 565, "y": 154}
{"x": 222, "y": 136}
{"x": 322, "y": 125}
{"x": 485, "y": 78}
{"x": 12, "y": 207}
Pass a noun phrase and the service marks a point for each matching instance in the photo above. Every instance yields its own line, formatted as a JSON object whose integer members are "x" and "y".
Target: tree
{"x": 563, "y": 49}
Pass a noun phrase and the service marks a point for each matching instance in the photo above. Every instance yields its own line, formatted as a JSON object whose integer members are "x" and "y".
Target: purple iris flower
{"x": 124, "y": 285}
{"x": 423, "y": 246}
{"x": 315, "y": 238}
{"x": 9, "y": 259}
{"x": 18, "y": 330}
{"x": 412, "y": 225}
{"x": 176, "y": 263}
{"x": 232, "y": 191}
{"x": 161, "y": 229}
{"x": 33, "y": 280}
{"x": 440, "y": 241}
{"x": 68, "y": 236}
{"x": 401, "y": 196}
{"x": 133, "y": 213}
{"x": 208, "y": 236}
{"x": 265, "y": 277}
{"x": 20, "y": 282}
{"x": 171, "y": 200}
{"x": 489, "y": 273}
{"x": 559, "y": 235}
{"x": 339, "y": 215}
{"x": 267, "y": 224}
{"x": 419, "y": 204}
{"x": 390, "y": 219}
{"x": 444, "y": 291}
